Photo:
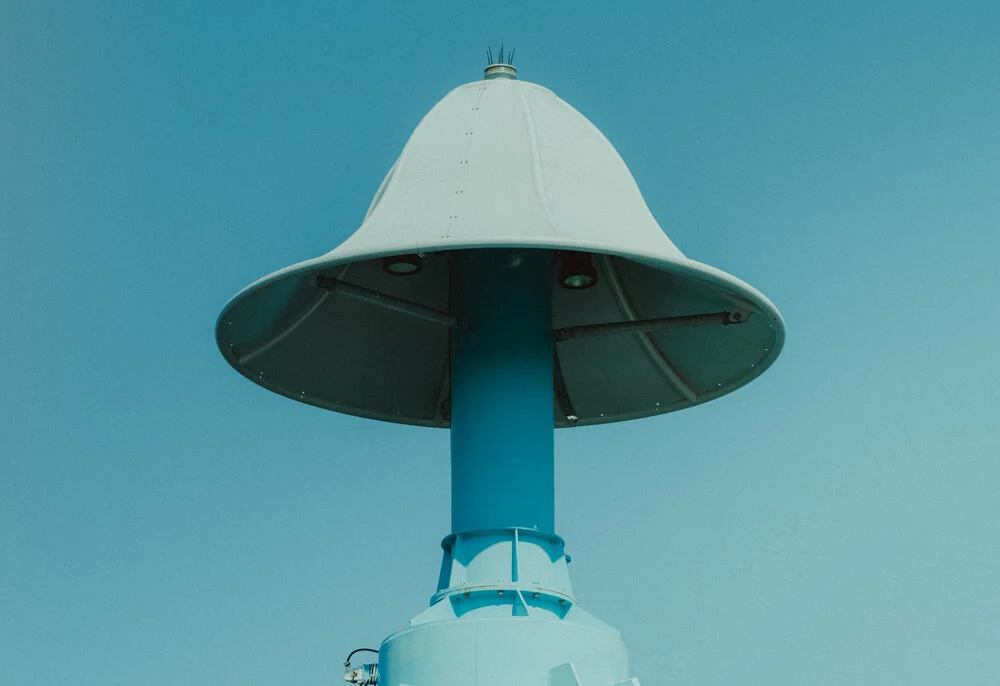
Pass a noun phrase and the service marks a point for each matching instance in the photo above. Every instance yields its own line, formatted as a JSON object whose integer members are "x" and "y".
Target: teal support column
{"x": 502, "y": 470}
{"x": 504, "y": 611}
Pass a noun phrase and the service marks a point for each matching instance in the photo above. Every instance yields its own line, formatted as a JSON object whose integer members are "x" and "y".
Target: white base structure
{"x": 504, "y": 614}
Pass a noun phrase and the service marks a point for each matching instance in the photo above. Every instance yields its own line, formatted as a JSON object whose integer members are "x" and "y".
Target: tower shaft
{"x": 502, "y": 469}
{"x": 504, "y": 611}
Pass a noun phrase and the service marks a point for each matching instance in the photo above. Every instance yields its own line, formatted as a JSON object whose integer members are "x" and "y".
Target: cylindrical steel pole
{"x": 504, "y": 612}
{"x": 502, "y": 470}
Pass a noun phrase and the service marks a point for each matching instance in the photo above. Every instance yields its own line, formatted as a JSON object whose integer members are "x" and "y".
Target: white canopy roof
{"x": 501, "y": 163}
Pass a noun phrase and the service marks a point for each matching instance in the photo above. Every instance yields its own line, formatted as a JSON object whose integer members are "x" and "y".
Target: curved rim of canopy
{"x": 740, "y": 293}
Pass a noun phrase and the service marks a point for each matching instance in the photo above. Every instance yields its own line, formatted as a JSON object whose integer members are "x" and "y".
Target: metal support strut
{"x": 391, "y": 302}
{"x": 643, "y": 325}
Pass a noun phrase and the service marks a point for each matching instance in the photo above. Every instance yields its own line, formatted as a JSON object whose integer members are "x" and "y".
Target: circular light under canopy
{"x": 402, "y": 265}
{"x": 576, "y": 271}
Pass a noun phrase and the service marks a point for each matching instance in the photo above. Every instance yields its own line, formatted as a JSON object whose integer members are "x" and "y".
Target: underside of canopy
{"x": 334, "y": 351}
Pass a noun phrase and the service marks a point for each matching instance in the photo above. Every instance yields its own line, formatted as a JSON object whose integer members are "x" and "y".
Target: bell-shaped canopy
{"x": 501, "y": 163}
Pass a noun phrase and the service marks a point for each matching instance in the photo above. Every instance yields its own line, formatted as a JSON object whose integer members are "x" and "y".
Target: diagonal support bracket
{"x": 391, "y": 302}
{"x": 724, "y": 318}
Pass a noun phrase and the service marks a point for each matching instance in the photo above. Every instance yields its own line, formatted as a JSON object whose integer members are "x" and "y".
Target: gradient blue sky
{"x": 164, "y": 521}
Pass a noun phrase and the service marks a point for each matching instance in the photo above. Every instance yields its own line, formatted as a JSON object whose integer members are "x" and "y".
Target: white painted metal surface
{"x": 501, "y": 163}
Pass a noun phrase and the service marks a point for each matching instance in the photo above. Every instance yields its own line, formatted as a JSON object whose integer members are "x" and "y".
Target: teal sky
{"x": 163, "y": 521}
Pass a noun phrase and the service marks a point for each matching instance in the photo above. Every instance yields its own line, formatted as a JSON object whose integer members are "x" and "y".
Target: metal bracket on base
{"x": 521, "y": 568}
{"x": 564, "y": 675}
{"x": 365, "y": 675}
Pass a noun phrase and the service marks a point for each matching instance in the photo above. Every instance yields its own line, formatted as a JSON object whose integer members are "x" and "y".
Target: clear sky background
{"x": 164, "y": 521}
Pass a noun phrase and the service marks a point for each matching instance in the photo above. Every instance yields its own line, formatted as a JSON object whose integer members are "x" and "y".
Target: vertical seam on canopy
{"x": 464, "y": 162}
{"x": 537, "y": 174}
{"x": 656, "y": 355}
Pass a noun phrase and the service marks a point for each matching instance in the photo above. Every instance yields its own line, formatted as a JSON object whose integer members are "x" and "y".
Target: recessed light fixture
{"x": 402, "y": 265}
{"x": 576, "y": 271}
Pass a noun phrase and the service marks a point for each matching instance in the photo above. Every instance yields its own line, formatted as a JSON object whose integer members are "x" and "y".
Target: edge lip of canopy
{"x": 742, "y": 294}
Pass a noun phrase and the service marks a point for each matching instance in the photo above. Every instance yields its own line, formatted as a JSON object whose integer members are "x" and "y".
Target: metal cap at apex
{"x": 638, "y": 328}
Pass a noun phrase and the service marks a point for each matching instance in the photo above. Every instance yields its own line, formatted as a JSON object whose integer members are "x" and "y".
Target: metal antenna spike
{"x": 510, "y": 57}
{"x": 489, "y": 51}
{"x": 501, "y": 53}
